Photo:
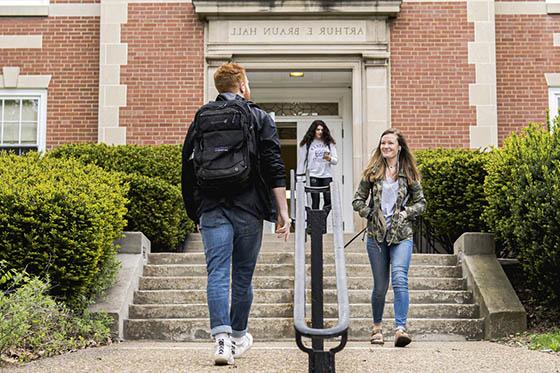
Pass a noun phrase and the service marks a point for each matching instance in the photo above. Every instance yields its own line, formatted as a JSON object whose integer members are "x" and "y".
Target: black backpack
{"x": 224, "y": 147}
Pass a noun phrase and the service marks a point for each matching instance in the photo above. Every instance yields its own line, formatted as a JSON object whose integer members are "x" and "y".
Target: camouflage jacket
{"x": 403, "y": 217}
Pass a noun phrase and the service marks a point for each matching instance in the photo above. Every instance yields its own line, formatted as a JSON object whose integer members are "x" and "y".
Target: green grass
{"x": 546, "y": 341}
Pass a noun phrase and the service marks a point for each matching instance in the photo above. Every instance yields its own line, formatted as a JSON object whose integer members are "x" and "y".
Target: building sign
{"x": 314, "y": 31}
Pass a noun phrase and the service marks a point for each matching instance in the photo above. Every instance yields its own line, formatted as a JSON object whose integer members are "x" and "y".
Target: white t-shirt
{"x": 318, "y": 167}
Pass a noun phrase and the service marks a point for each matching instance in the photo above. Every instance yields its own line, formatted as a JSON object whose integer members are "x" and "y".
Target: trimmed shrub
{"x": 154, "y": 172}
{"x": 60, "y": 218}
{"x": 156, "y": 209}
{"x": 163, "y": 161}
{"x": 453, "y": 184}
{"x": 523, "y": 192}
{"x": 33, "y": 324}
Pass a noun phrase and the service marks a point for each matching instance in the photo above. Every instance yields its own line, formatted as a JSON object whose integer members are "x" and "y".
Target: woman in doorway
{"x": 393, "y": 181}
{"x": 317, "y": 152}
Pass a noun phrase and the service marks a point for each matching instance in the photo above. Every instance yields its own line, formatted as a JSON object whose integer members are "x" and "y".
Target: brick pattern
{"x": 430, "y": 75}
{"x": 70, "y": 54}
{"x": 524, "y": 53}
{"x": 164, "y": 74}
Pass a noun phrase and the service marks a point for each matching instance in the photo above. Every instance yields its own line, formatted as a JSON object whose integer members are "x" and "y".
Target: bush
{"x": 523, "y": 192}
{"x": 33, "y": 324}
{"x": 162, "y": 161}
{"x": 452, "y": 180}
{"x": 156, "y": 209}
{"x": 156, "y": 206}
{"x": 60, "y": 218}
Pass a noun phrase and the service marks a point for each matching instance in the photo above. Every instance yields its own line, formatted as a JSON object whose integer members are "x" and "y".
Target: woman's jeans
{"x": 319, "y": 182}
{"x": 396, "y": 257}
{"x": 231, "y": 237}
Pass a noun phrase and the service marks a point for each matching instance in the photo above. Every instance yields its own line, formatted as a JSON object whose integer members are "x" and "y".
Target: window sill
{"x": 24, "y": 11}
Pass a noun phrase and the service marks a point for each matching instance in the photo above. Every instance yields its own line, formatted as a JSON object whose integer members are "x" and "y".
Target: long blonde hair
{"x": 377, "y": 166}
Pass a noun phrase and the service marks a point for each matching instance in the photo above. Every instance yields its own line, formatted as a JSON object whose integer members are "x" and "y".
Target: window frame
{"x": 41, "y": 95}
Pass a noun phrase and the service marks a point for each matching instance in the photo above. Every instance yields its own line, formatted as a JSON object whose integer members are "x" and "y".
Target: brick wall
{"x": 524, "y": 53}
{"x": 70, "y": 54}
{"x": 164, "y": 74}
{"x": 430, "y": 75}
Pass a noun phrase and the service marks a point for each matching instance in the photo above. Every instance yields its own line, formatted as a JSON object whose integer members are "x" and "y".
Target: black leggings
{"x": 319, "y": 182}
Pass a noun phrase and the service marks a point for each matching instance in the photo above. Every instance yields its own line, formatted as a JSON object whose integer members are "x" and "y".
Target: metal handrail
{"x": 341, "y": 282}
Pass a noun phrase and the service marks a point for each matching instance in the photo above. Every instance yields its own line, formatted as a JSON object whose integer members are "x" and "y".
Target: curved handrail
{"x": 341, "y": 283}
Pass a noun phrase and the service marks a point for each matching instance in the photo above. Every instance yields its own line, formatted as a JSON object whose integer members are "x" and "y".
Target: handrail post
{"x": 317, "y": 220}
{"x": 320, "y": 361}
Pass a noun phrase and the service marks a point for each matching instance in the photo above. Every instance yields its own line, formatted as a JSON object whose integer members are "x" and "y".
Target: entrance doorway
{"x": 295, "y": 104}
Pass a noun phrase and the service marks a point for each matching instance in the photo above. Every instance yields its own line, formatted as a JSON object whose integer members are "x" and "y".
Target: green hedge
{"x": 163, "y": 161}
{"x": 156, "y": 206}
{"x": 60, "y": 218}
{"x": 523, "y": 192}
{"x": 453, "y": 184}
{"x": 156, "y": 209}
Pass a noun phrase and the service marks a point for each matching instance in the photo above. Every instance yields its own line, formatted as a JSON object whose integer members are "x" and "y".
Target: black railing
{"x": 314, "y": 222}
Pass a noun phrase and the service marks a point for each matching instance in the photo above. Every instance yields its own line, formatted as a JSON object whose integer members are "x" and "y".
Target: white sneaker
{"x": 241, "y": 345}
{"x": 223, "y": 354}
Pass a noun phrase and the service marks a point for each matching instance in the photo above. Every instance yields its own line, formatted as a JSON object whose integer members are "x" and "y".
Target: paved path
{"x": 425, "y": 357}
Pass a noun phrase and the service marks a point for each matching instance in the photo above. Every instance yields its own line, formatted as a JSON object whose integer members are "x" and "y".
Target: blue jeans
{"x": 396, "y": 257}
{"x": 232, "y": 238}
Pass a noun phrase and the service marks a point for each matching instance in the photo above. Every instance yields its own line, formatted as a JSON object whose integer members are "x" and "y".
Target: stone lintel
{"x": 214, "y": 8}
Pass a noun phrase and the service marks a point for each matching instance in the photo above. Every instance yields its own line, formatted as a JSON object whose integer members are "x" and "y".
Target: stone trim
{"x": 13, "y": 80}
{"x": 112, "y": 55}
{"x": 24, "y": 11}
{"x": 248, "y": 8}
{"x": 74, "y": 10}
{"x": 553, "y": 8}
{"x": 21, "y": 41}
{"x": 520, "y": 7}
{"x": 552, "y": 79}
{"x": 500, "y": 307}
{"x": 482, "y": 54}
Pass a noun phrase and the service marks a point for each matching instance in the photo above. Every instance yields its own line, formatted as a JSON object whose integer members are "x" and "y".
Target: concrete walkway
{"x": 163, "y": 357}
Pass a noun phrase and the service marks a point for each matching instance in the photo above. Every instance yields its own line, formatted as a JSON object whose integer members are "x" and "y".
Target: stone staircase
{"x": 171, "y": 301}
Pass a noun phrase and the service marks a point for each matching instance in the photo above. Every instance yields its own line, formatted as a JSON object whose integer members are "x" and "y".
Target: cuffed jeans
{"x": 395, "y": 257}
{"x": 232, "y": 238}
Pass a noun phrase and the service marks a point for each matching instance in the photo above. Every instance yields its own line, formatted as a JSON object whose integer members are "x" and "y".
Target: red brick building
{"x": 455, "y": 73}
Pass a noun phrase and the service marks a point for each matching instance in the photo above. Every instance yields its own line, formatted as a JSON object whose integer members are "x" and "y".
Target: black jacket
{"x": 257, "y": 199}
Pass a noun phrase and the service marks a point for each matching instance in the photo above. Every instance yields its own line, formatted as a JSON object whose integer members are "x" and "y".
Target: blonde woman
{"x": 393, "y": 181}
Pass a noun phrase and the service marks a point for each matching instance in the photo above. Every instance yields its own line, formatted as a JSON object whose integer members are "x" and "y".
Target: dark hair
{"x": 310, "y": 134}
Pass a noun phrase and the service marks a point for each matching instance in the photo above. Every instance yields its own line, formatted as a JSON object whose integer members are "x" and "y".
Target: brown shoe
{"x": 376, "y": 336}
{"x": 401, "y": 338}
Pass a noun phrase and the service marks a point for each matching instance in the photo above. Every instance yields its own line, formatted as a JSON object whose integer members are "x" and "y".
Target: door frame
{"x": 343, "y": 96}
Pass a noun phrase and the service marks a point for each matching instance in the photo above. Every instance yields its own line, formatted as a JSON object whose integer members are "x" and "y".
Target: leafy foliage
{"x": 452, "y": 180}
{"x": 523, "y": 193}
{"x": 60, "y": 218}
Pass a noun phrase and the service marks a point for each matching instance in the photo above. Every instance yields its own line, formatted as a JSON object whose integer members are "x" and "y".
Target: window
{"x": 554, "y": 104}
{"x": 22, "y": 120}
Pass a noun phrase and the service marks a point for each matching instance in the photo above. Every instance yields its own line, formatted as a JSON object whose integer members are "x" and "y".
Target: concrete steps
{"x": 177, "y": 270}
{"x": 171, "y": 301}
{"x": 282, "y": 328}
{"x": 276, "y": 310}
{"x": 287, "y": 296}
{"x": 288, "y": 258}
{"x": 287, "y": 282}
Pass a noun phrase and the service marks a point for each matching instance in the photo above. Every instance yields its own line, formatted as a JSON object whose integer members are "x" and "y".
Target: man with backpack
{"x": 232, "y": 178}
